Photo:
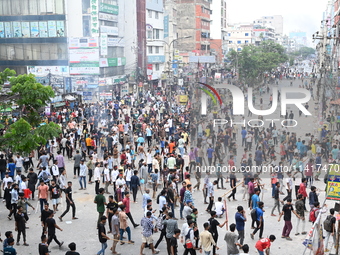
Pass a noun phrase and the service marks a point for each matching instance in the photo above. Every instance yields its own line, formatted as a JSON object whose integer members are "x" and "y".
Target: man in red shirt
{"x": 126, "y": 202}
{"x": 263, "y": 245}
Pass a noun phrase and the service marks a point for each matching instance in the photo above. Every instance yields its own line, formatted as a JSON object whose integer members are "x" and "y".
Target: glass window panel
{"x": 19, "y": 52}
{"x": 36, "y": 51}
{"x": 43, "y": 32}
{"x": 50, "y": 6}
{"x": 25, "y": 29}
{"x": 59, "y": 7}
{"x": 16, "y": 29}
{"x": 3, "y": 52}
{"x": 28, "y": 51}
{"x": 45, "y": 51}
{"x": 24, "y": 7}
{"x": 42, "y": 7}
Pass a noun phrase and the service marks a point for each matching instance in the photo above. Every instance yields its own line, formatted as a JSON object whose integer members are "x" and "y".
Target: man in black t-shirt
{"x": 173, "y": 242}
{"x": 72, "y": 251}
{"x": 111, "y": 205}
{"x": 55, "y": 192}
{"x": 44, "y": 215}
{"x": 69, "y": 202}
{"x": 51, "y": 226}
{"x": 20, "y": 224}
{"x": 333, "y": 228}
{"x": 287, "y": 212}
{"x": 213, "y": 228}
{"x": 43, "y": 246}
{"x": 102, "y": 235}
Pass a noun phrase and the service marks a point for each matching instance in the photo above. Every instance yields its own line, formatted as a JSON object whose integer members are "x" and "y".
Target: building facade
{"x": 155, "y": 39}
{"x": 194, "y": 17}
{"x": 33, "y": 33}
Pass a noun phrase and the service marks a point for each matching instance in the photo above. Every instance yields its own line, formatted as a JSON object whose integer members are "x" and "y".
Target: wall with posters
{"x": 32, "y": 29}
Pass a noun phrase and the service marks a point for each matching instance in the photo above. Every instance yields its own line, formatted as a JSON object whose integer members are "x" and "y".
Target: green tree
{"x": 29, "y": 131}
{"x": 253, "y": 62}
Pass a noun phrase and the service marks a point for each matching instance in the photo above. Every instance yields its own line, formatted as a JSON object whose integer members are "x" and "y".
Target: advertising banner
{"x": 43, "y": 29}
{"x": 333, "y": 185}
{"x": 94, "y": 18}
{"x": 109, "y": 8}
{"x": 109, "y": 30}
{"x": 108, "y": 17}
{"x": 84, "y": 55}
{"x": 34, "y": 29}
{"x": 17, "y": 29}
{"x": 83, "y": 42}
{"x": 25, "y": 29}
{"x": 103, "y": 44}
{"x": 52, "y": 28}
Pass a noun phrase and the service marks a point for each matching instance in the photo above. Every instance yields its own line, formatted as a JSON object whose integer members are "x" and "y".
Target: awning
{"x": 70, "y": 98}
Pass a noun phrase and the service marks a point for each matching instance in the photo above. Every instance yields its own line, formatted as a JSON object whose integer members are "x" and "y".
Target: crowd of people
{"x": 156, "y": 147}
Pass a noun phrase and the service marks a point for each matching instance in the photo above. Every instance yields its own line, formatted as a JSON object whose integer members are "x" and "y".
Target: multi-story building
{"x": 240, "y": 35}
{"x": 33, "y": 33}
{"x": 299, "y": 37}
{"x": 263, "y": 34}
{"x": 170, "y": 31}
{"x": 218, "y": 28}
{"x": 155, "y": 39}
{"x": 193, "y": 25}
{"x": 275, "y": 21}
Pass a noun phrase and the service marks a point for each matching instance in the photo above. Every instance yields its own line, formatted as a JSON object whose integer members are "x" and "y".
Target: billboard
{"x": 109, "y": 30}
{"x": 83, "y": 42}
{"x": 109, "y": 8}
{"x": 84, "y": 55}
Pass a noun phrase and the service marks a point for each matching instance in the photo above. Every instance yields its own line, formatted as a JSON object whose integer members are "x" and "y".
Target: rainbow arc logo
{"x": 204, "y": 102}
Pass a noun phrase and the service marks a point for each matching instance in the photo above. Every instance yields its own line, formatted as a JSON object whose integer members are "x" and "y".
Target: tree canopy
{"x": 252, "y": 62}
{"x": 31, "y": 97}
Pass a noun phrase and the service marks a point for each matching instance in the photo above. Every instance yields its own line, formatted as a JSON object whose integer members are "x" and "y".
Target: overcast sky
{"x": 303, "y": 15}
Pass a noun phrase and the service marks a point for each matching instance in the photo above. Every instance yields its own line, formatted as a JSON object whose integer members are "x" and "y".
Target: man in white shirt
{"x": 96, "y": 176}
{"x": 181, "y": 143}
{"x": 55, "y": 170}
{"x": 162, "y": 200}
{"x": 219, "y": 207}
{"x": 82, "y": 174}
{"x": 19, "y": 161}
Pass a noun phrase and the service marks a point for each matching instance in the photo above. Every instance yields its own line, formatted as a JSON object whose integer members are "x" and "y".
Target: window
{"x": 238, "y": 42}
{"x": 156, "y": 15}
{"x": 150, "y": 49}
{"x": 228, "y": 34}
{"x": 246, "y": 34}
{"x": 246, "y": 41}
{"x": 149, "y": 35}
{"x": 157, "y": 67}
{"x": 149, "y": 13}
{"x": 157, "y": 49}
{"x": 239, "y": 49}
{"x": 156, "y": 34}
{"x": 230, "y": 41}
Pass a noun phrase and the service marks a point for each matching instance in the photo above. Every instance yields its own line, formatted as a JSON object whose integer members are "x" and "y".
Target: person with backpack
{"x": 287, "y": 212}
{"x": 330, "y": 229}
{"x": 255, "y": 203}
{"x": 259, "y": 220}
{"x": 160, "y": 226}
{"x": 44, "y": 175}
{"x": 314, "y": 213}
{"x": 300, "y": 210}
{"x": 189, "y": 242}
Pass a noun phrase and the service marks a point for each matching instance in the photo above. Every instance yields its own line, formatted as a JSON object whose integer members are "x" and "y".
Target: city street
{"x": 83, "y": 230}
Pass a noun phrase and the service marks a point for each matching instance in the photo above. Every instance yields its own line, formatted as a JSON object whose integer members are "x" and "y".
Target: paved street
{"x": 83, "y": 231}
